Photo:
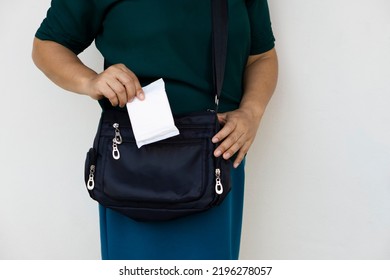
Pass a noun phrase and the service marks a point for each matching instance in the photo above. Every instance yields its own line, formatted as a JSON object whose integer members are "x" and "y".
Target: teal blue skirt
{"x": 211, "y": 235}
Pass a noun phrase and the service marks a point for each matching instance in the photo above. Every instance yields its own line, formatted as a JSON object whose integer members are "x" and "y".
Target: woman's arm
{"x": 65, "y": 69}
{"x": 240, "y": 126}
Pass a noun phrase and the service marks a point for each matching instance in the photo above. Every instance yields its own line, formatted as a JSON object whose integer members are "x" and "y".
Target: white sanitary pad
{"x": 152, "y": 118}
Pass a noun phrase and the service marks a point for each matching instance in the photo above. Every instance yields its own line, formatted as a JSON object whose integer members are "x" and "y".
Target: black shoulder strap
{"x": 219, "y": 45}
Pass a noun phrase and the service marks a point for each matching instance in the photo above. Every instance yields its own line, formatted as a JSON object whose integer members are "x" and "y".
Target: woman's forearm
{"x": 117, "y": 83}
{"x": 62, "y": 66}
{"x": 260, "y": 80}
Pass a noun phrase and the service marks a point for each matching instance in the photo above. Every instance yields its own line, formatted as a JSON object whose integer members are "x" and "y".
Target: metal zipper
{"x": 218, "y": 183}
{"x": 117, "y": 140}
{"x": 91, "y": 180}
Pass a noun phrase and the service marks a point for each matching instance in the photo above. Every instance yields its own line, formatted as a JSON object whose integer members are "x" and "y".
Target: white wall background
{"x": 318, "y": 176}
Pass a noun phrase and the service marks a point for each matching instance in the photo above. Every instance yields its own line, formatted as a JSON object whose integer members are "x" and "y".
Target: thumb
{"x": 140, "y": 94}
{"x": 222, "y": 118}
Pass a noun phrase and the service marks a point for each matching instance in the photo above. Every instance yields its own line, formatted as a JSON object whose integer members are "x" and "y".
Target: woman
{"x": 141, "y": 41}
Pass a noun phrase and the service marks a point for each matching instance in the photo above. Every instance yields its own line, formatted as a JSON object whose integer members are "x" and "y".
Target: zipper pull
{"x": 115, "y": 151}
{"x": 91, "y": 181}
{"x": 118, "y": 136}
{"x": 218, "y": 184}
{"x": 116, "y": 141}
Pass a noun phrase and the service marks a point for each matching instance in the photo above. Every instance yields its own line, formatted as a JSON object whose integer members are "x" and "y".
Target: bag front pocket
{"x": 157, "y": 172}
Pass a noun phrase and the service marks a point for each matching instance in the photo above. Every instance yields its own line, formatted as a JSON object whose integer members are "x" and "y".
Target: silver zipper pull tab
{"x": 91, "y": 180}
{"x": 218, "y": 183}
{"x": 116, "y": 141}
{"x": 118, "y": 136}
{"x": 115, "y": 151}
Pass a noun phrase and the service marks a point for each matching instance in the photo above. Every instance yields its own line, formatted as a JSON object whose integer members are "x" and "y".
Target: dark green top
{"x": 168, "y": 39}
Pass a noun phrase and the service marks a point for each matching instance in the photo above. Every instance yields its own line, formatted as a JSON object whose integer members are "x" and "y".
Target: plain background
{"x": 318, "y": 174}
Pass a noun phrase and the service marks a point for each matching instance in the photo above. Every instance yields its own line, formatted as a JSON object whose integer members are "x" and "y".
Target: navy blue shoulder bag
{"x": 171, "y": 178}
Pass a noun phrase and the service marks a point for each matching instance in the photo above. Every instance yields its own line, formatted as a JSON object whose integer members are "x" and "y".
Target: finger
{"x": 117, "y": 78}
{"x": 137, "y": 85}
{"x": 138, "y": 88}
{"x": 224, "y": 132}
{"x": 119, "y": 90}
{"x": 227, "y": 143}
{"x": 233, "y": 146}
{"x": 241, "y": 155}
{"x": 128, "y": 83}
{"x": 110, "y": 95}
{"x": 222, "y": 117}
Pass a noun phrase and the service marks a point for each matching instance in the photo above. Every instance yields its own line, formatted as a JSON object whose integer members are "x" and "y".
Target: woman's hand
{"x": 117, "y": 83}
{"x": 240, "y": 126}
{"x": 237, "y": 134}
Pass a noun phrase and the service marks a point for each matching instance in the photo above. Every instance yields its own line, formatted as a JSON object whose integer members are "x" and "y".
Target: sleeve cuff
{"x": 74, "y": 45}
{"x": 262, "y": 48}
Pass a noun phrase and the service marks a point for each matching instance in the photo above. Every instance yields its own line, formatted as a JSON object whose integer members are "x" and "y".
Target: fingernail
{"x": 226, "y": 156}
{"x": 141, "y": 95}
{"x": 131, "y": 99}
{"x": 235, "y": 165}
{"x": 215, "y": 140}
{"x": 218, "y": 153}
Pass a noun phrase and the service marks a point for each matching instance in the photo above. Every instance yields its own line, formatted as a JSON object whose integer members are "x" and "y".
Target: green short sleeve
{"x": 73, "y": 23}
{"x": 262, "y": 38}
